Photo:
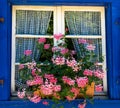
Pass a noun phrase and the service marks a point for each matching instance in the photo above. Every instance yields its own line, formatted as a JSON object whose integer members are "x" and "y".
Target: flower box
{"x": 62, "y": 77}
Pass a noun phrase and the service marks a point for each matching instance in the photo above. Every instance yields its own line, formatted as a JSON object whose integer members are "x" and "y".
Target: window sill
{"x": 98, "y": 103}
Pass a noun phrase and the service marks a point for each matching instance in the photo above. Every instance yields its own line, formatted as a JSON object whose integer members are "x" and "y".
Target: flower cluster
{"x": 62, "y": 76}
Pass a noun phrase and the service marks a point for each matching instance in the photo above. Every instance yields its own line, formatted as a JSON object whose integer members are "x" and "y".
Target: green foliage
{"x": 85, "y": 60}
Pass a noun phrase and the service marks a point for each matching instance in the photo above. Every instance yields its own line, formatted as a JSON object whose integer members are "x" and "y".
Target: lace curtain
{"x": 84, "y": 23}
{"x": 30, "y": 23}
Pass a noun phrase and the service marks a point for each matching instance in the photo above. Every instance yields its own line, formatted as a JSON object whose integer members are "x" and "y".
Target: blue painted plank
{"x": 109, "y": 51}
{"x": 58, "y": 2}
{"x": 72, "y": 104}
{"x": 116, "y": 51}
{"x": 4, "y": 56}
{"x": 113, "y": 40}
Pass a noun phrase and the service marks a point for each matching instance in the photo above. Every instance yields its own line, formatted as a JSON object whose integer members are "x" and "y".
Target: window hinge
{"x": 1, "y": 82}
{"x": 2, "y": 20}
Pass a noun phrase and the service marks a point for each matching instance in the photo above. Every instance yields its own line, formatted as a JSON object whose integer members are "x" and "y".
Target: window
{"x": 32, "y": 22}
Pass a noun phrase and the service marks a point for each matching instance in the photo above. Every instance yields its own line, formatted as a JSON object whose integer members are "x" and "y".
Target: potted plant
{"x": 62, "y": 77}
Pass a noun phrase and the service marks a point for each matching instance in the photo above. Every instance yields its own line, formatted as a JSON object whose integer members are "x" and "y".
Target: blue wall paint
{"x": 113, "y": 49}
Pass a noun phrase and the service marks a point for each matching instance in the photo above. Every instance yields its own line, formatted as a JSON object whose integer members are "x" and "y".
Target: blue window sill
{"x": 98, "y": 103}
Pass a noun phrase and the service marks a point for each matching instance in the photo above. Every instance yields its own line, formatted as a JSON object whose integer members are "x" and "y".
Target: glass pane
{"x": 23, "y": 44}
{"x": 73, "y": 44}
{"x": 82, "y": 23}
{"x": 34, "y": 22}
{"x": 38, "y": 54}
{"x": 18, "y": 81}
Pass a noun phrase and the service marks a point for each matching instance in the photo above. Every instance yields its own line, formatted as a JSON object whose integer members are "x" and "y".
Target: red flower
{"x": 82, "y": 105}
{"x": 98, "y": 88}
{"x": 64, "y": 51}
{"x": 27, "y": 52}
{"x": 90, "y": 47}
{"x": 45, "y": 102}
{"x": 46, "y": 46}
{"x": 41, "y": 40}
{"x": 58, "y": 36}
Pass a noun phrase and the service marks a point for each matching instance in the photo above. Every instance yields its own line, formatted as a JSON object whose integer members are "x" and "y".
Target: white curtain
{"x": 31, "y": 23}
{"x": 84, "y": 23}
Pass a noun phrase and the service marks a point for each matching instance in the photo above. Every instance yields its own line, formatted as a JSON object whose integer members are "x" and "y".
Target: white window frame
{"x": 14, "y": 35}
{"x": 102, "y": 36}
{"x": 59, "y": 27}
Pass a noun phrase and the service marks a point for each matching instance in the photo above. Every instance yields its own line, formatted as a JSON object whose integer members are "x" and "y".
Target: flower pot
{"x": 89, "y": 91}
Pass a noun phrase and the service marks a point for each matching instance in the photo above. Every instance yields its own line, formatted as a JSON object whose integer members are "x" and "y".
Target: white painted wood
{"x": 58, "y": 23}
{"x": 14, "y": 35}
{"x": 33, "y": 36}
{"x": 104, "y": 49}
{"x": 82, "y": 36}
{"x": 34, "y": 8}
{"x": 102, "y": 36}
{"x": 13, "y": 51}
{"x": 83, "y": 8}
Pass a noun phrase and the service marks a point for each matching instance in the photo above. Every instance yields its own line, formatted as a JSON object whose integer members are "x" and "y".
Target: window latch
{"x": 1, "y": 20}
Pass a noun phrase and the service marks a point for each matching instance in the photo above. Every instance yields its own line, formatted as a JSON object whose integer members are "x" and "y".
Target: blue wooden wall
{"x": 112, "y": 42}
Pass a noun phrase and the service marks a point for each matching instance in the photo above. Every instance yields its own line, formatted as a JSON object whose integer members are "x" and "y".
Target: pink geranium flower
{"x": 31, "y": 65}
{"x": 36, "y": 81}
{"x": 56, "y": 95}
{"x": 82, "y": 41}
{"x": 59, "y": 60}
{"x": 57, "y": 88}
{"x": 88, "y": 72}
{"x": 82, "y": 81}
{"x": 71, "y": 63}
{"x": 90, "y": 47}
{"x": 49, "y": 76}
{"x": 98, "y": 88}
{"x": 45, "y": 103}
{"x": 46, "y": 90}
{"x": 46, "y": 46}
{"x": 75, "y": 90}
{"x": 21, "y": 66}
{"x": 53, "y": 80}
{"x": 21, "y": 94}
{"x": 33, "y": 72}
{"x": 76, "y": 68}
{"x": 99, "y": 74}
{"x": 58, "y": 36}
{"x": 27, "y": 52}
{"x": 64, "y": 51}
{"x": 70, "y": 81}
{"x": 69, "y": 98}
{"x": 73, "y": 52}
{"x": 34, "y": 99}
{"x": 82, "y": 105}
{"x": 54, "y": 49}
{"x": 41, "y": 40}
{"x": 66, "y": 29}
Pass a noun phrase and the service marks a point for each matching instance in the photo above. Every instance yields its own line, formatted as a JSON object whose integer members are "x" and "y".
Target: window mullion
{"x": 58, "y": 22}
{"x": 104, "y": 49}
{"x": 59, "y": 19}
